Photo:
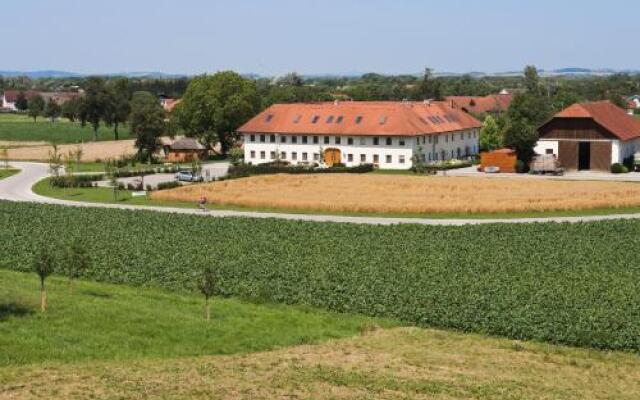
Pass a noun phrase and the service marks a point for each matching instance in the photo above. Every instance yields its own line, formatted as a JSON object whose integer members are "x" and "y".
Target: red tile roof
{"x": 361, "y": 118}
{"x": 12, "y": 95}
{"x": 479, "y": 105}
{"x": 611, "y": 117}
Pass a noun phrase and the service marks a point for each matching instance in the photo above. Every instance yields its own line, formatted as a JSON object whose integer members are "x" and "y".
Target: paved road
{"x": 18, "y": 188}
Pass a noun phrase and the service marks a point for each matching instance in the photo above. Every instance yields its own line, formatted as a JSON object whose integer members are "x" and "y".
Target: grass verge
{"x": 7, "y": 172}
{"x": 108, "y": 322}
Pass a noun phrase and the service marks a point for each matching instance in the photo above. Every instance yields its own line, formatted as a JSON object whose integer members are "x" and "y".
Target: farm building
{"x": 386, "y": 134}
{"x": 491, "y": 104}
{"x": 590, "y": 136}
{"x": 186, "y": 149}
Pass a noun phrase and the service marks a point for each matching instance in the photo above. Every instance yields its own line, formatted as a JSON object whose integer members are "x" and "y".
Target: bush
{"x": 522, "y": 167}
{"x": 76, "y": 181}
{"x": 132, "y": 173}
{"x": 559, "y": 283}
{"x": 618, "y": 168}
{"x": 168, "y": 185}
{"x": 246, "y": 170}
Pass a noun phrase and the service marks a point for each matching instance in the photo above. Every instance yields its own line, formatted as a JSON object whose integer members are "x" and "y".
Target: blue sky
{"x": 326, "y": 36}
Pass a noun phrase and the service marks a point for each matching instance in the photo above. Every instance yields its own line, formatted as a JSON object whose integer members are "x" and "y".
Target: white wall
{"x": 400, "y": 150}
{"x": 543, "y": 145}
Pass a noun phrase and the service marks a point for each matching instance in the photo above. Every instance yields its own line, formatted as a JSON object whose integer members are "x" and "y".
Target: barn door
{"x": 332, "y": 156}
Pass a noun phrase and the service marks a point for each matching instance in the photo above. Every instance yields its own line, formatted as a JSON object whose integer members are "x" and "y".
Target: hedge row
{"x": 74, "y": 181}
{"x": 245, "y": 170}
{"x": 570, "y": 284}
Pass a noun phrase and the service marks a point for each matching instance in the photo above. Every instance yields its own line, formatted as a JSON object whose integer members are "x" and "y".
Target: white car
{"x": 189, "y": 176}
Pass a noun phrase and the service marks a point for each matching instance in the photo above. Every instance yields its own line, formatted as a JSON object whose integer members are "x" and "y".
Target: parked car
{"x": 189, "y": 176}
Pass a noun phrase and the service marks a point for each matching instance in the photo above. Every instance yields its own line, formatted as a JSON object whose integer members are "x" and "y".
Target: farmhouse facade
{"x": 386, "y": 134}
{"x": 590, "y": 136}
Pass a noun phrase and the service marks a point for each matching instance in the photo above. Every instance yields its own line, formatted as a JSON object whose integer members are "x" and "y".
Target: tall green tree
{"x": 22, "y": 103}
{"x": 43, "y": 266}
{"x": 93, "y": 105}
{"x": 429, "y": 87}
{"x": 36, "y": 107}
{"x": 52, "y": 110}
{"x": 118, "y": 105}
{"x": 70, "y": 109}
{"x": 490, "y": 135}
{"x": 215, "y": 106}
{"x": 147, "y": 123}
{"x": 532, "y": 80}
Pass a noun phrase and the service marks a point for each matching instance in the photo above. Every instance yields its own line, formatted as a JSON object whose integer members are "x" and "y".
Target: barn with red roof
{"x": 590, "y": 136}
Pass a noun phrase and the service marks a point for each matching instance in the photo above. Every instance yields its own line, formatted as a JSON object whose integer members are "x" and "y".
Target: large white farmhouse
{"x": 386, "y": 134}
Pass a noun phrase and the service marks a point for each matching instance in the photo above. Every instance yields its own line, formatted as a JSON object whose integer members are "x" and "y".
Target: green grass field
{"x": 108, "y": 322}
{"x": 7, "y": 172}
{"x": 17, "y": 127}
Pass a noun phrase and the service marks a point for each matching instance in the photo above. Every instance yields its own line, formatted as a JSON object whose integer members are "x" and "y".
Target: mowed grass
{"x": 109, "y": 322}
{"x": 19, "y": 127}
{"x": 400, "y": 363}
{"x": 7, "y": 172}
{"x": 410, "y": 195}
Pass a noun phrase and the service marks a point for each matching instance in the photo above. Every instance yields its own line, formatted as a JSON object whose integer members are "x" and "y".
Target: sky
{"x": 273, "y": 37}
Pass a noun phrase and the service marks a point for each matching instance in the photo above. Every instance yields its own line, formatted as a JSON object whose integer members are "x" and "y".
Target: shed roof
{"x": 187, "y": 144}
{"x": 611, "y": 117}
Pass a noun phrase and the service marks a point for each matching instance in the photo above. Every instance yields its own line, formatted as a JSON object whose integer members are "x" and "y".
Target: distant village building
{"x": 167, "y": 103}
{"x": 9, "y": 97}
{"x": 186, "y": 149}
{"x": 386, "y": 134}
{"x": 590, "y": 136}
{"x": 478, "y": 105}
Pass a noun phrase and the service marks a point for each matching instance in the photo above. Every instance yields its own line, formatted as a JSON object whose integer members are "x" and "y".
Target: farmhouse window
{"x": 316, "y": 157}
{"x": 337, "y": 139}
{"x": 350, "y": 157}
{"x": 401, "y": 142}
{"x": 326, "y": 140}
{"x": 363, "y": 141}
{"x": 263, "y": 155}
{"x": 253, "y": 154}
{"x": 350, "y": 141}
{"x": 389, "y": 141}
{"x": 376, "y": 141}
{"x": 272, "y": 156}
{"x": 252, "y": 138}
{"x": 429, "y": 139}
{"x": 363, "y": 158}
{"x": 315, "y": 140}
{"x": 446, "y": 138}
{"x": 283, "y": 155}
{"x": 283, "y": 139}
{"x": 376, "y": 159}
{"x": 294, "y": 156}
{"x": 304, "y": 157}
{"x": 294, "y": 139}
{"x": 304, "y": 140}
{"x": 272, "y": 138}
{"x": 388, "y": 159}
{"x": 262, "y": 138}
{"x": 459, "y": 152}
{"x": 549, "y": 151}
{"x": 401, "y": 159}
{"x": 451, "y": 153}
{"x": 429, "y": 156}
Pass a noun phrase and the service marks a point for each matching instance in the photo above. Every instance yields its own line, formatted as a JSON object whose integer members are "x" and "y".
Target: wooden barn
{"x": 185, "y": 150}
{"x": 590, "y": 136}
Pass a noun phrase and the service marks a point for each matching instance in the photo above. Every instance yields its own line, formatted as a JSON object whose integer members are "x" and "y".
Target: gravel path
{"x": 18, "y": 188}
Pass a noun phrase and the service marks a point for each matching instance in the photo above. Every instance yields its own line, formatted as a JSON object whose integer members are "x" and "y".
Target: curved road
{"x": 18, "y": 188}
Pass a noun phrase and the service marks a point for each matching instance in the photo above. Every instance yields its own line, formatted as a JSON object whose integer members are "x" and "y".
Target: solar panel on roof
{"x": 315, "y": 119}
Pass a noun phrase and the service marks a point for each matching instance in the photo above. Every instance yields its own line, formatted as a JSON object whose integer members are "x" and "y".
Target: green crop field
{"x": 574, "y": 284}
{"x": 17, "y": 127}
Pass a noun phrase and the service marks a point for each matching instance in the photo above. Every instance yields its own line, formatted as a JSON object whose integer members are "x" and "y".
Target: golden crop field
{"x": 398, "y": 194}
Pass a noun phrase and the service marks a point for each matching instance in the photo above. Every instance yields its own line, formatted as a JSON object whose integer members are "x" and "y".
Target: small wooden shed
{"x": 505, "y": 159}
{"x": 186, "y": 149}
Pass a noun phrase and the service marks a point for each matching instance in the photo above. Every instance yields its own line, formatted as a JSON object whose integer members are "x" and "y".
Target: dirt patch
{"x": 410, "y": 194}
{"x": 91, "y": 151}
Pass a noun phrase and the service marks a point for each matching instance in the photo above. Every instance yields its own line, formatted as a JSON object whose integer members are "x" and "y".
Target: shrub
{"x": 246, "y": 170}
{"x": 617, "y": 168}
{"x": 76, "y": 181}
{"x": 168, "y": 185}
{"x": 522, "y": 167}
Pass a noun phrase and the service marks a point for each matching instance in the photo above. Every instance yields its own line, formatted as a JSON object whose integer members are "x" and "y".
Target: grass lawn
{"x": 107, "y": 341}
{"x": 18, "y": 127}
{"x": 105, "y": 195}
{"x": 7, "y": 172}
{"x": 109, "y": 322}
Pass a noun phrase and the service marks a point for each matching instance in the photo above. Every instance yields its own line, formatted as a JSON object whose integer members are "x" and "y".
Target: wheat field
{"x": 395, "y": 194}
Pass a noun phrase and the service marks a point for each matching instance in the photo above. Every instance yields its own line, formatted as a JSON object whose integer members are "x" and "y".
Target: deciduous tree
{"x": 490, "y": 135}
{"x": 147, "y": 123}
{"x": 36, "y": 107}
{"x": 215, "y": 106}
{"x": 43, "y": 266}
{"x": 93, "y": 105}
{"x": 118, "y": 105}
{"x": 22, "y": 103}
{"x": 207, "y": 288}
{"x": 52, "y": 110}
{"x": 76, "y": 261}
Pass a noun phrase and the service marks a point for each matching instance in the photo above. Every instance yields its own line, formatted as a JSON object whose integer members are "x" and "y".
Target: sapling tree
{"x": 76, "y": 262}
{"x": 55, "y": 161}
{"x": 207, "y": 288}
{"x": 4, "y": 156}
{"x": 43, "y": 266}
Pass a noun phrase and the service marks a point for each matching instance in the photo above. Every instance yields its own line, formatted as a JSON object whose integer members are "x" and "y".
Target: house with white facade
{"x": 590, "y": 136}
{"x": 386, "y": 134}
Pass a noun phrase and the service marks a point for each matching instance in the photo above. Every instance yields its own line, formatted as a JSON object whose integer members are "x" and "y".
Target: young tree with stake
{"x": 76, "y": 262}
{"x": 43, "y": 265}
{"x": 207, "y": 288}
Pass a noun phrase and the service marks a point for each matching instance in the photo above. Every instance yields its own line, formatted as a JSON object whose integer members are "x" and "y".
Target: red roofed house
{"x": 386, "y": 134}
{"x": 477, "y": 105}
{"x": 590, "y": 136}
{"x": 9, "y": 98}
